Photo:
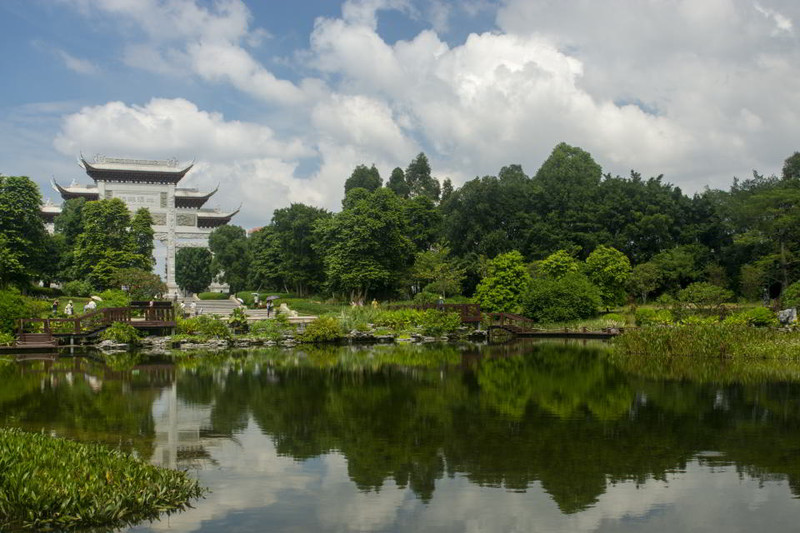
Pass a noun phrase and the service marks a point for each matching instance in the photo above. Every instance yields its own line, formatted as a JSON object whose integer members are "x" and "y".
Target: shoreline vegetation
{"x": 49, "y": 483}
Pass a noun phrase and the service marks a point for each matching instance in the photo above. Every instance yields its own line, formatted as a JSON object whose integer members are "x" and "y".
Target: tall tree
{"x": 424, "y": 221}
{"x": 365, "y": 247}
{"x": 22, "y": 229}
{"x": 419, "y": 179}
{"x": 397, "y": 183}
{"x": 231, "y": 258}
{"x": 505, "y": 283}
{"x": 366, "y": 178}
{"x": 142, "y": 234}
{"x": 193, "y": 269}
{"x": 609, "y": 269}
{"x": 106, "y": 243}
{"x": 301, "y": 267}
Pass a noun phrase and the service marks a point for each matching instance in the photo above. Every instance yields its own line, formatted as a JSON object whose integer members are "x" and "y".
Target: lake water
{"x": 545, "y": 437}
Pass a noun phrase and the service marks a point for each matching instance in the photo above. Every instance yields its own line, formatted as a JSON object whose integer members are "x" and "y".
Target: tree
{"x": 791, "y": 167}
{"x": 266, "y": 261}
{"x": 570, "y": 297}
{"x": 752, "y": 280}
{"x": 435, "y": 273}
{"x": 644, "y": 279}
{"x": 193, "y": 269}
{"x": 140, "y": 284}
{"x": 299, "y": 265}
{"x": 609, "y": 269}
{"x": 397, "y": 183}
{"x": 558, "y": 265}
{"x": 142, "y": 234}
{"x": 424, "y": 221}
{"x": 447, "y": 189}
{"x": 419, "y": 180}
{"x": 506, "y": 281}
{"x": 22, "y": 230}
{"x": 366, "y": 178}
{"x": 365, "y": 247}
{"x": 231, "y": 261}
{"x": 106, "y": 243}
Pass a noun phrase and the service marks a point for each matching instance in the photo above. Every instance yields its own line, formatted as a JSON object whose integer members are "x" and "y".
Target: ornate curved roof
{"x": 135, "y": 170}
{"x": 208, "y": 218}
{"x": 75, "y": 191}
{"x": 192, "y": 198}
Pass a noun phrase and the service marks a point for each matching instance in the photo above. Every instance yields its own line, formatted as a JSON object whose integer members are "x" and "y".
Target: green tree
{"x": 791, "y": 167}
{"x": 506, "y": 280}
{"x": 434, "y": 272}
{"x": 231, "y": 261}
{"x": 22, "y": 229}
{"x": 397, "y": 183}
{"x": 266, "y": 260}
{"x": 447, "y": 189}
{"x": 419, "y": 179}
{"x": 558, "y": 264}
{"x": 193, "y": 269}
{"x": 142, "y": 234}
{"x": 365, "y": 247}
{"x": 570, "y": 297}
{"x": 106, "y": 243}
{"x": 300, "y": 266}
{"x": 752, "y": 281}
{"x": 609, "y": 269}
{"x": 424, "y": 221}
{"x": 141, "y": 284}
{"x": 366, "y": 178}
{"x": 644, "y": 279}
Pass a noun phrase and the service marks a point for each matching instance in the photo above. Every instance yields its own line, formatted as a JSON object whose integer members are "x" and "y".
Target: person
{"x": 69, "y": 309}
{"x": 269, "y": 307}
{"x": 255, "y": 299}
{"x": 374, "y": 303}
{"x": 440, "y": 303}
{"x": 183, "y": 309}
{"x": 55, "y": 306}
{"x": 91, "y": 306}
{"x": 193, "y": 308}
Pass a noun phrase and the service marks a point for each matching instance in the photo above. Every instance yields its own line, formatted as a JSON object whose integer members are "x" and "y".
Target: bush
{"x": 44, "y": 292}
{"x": 759, "y": 317}
{"x": 6, "y": 339}
{"x": 113, "y": 298}
{"x": 323, "y": 329}
{"x": 121, "y": 332}
{"x": 425, "y": 297}
{"x": 791, "y": 295}
{"x": 437, "y": 323}
{"x": 705, "y": 295}
{"x": 212, "y": 296}
{"x": 571, "y": 297}
{"x": 273, "y": 329}
{"x": 614, "y": 320}
{"x": 204, "y": 326}
{"x": 653, "y": 317}
{"x": 238, "y": 320}
{"x": 397, "y": 319}
{"x": 78, "y": 288}
{"x": 13, "y": 306}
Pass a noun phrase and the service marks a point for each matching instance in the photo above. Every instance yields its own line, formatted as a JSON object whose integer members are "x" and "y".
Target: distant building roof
{"x": 208, "y": 218}
{"x": 76, "y": 191}
{"x": 190, "y": 197}
{"x": 137, "y": 170}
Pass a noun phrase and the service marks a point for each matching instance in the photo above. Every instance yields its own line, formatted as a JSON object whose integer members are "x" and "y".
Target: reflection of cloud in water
{"x": 255, "y": 488}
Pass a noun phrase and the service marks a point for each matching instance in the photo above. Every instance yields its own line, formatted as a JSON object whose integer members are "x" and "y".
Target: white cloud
{"x": 76, "y": 64}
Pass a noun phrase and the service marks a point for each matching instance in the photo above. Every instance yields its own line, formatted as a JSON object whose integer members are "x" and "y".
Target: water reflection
{"x": 562, "y": 437}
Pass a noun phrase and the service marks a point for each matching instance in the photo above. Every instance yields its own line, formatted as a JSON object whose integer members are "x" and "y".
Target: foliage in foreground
{"x": 709, "y": 340}
{"x": 121, "y": 332}
{"x": 51, "y": 483}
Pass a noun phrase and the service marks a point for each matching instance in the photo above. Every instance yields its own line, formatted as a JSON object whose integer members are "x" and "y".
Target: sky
{"x": 278, "y": 101}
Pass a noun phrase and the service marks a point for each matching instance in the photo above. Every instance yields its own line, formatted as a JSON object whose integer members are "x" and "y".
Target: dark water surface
{"x": 525, "y": 437}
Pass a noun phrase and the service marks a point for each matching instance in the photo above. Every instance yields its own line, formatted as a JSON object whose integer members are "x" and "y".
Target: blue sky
{"x": 278, "y": 101}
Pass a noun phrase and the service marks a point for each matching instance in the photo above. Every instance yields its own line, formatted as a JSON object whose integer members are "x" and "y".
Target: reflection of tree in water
{"x": 559, "y": 415}
{"x": 80, "y": 400}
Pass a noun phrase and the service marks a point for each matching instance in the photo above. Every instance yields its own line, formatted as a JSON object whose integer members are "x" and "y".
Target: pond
{"x": 521, "y": 437}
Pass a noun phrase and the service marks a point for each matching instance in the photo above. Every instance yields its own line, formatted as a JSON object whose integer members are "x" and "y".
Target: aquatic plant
{"x": 49, "y": 483}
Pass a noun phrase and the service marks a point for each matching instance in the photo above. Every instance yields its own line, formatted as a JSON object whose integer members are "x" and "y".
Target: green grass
{"x": 48, "y": 483}
{"x": 212, "y": 296}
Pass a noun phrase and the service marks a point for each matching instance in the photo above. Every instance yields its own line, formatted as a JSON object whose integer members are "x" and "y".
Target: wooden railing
{"x": 136, "y": 315}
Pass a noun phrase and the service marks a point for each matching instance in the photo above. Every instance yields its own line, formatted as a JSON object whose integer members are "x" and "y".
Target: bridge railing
{"x": 95, "y": 320}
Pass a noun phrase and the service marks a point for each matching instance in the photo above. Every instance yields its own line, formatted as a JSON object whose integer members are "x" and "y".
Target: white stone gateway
{"x": 179, "y": 219}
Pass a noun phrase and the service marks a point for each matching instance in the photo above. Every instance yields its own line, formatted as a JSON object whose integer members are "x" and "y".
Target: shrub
{"x": 78, "y": 288}
{"x": 614, "y": 320}
{"x": 6, "y": 339}
{"x": 397, "y": 319}
{"x": 791, "y": 295}
{"x": 705, "y": 295}
{"x": 13, "y": 306}
{"x": 759, "y": 317}
{"x": 204, "y": 326}
{"x": 238, "y": 320}
{"x": 113, "y": 298}
{"x": 653, "y": 317}
{"x": 44, "y": 292}
{"x": 437, "y": 323}
{"x": 323, "y": 329}
{"x": 272, "y": 329}
{"x": 697, "y": 320}
{"x": 121, "y": 332}
{"x": 426, "y": 297}
{"x": 571, "y": 297}
{"x": 212, "y": 296}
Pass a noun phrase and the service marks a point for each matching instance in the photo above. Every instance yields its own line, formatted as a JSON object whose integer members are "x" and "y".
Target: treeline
{"x": 412, "y": 236}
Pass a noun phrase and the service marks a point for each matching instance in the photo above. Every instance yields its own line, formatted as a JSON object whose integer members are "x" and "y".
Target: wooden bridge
{"x": 45, "y": 332}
